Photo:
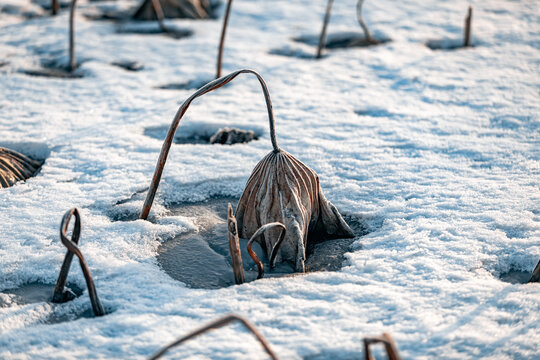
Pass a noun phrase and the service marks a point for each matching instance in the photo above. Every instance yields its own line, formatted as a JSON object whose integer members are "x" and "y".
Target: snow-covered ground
{"x": 438, "y": 152}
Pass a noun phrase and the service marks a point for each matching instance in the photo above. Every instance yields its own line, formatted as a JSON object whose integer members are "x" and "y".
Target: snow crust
{"x": 437, "y": 151}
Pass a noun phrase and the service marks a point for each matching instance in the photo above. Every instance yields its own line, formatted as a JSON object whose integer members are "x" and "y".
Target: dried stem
{"x": 389, "y": 345}
{"x": 468, "y": 19}
{"x": 222, "y": 39}
{"x": 275, "y": 249}
{"x": 369, "y": 39}
{"x": 216, "y": 325}
{"x": 72, "y": 60}
{"x": 71, "y": 245}
{"x": 535, "y": 274}
{"x": 215, "y": 84}
{"x": 234, "y": 247}
{"x": 54, "y": 7}
{"x": 322, "y": 37}
{"x": 159, "y": 14}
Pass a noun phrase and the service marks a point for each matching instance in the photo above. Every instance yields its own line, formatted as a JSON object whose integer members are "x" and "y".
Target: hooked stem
{"x": 222, "y": 39}
{"x": 213, "y": 85}
{"x": 322, "y": 37}
{"x": 389, "y": 345}
{"x": 275, "y": 249}
{"x": 73, "y": 249}
{"x": 216, "y": 325}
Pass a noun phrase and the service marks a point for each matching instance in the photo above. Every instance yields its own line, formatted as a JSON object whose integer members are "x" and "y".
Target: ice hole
{"x": 129, "y": 65}
{"x": 185, "y": 85}
{"x": 516, "y": 276}
{"x": 207, "y": 133}
{"x": 34, "y": 293}
{"x": 153, "y": 28}
{"x": 447, "y": 44}
{"x": 56, "y": 69}
{"x": 201, "y": 259}
{"x": 342, "y": 40}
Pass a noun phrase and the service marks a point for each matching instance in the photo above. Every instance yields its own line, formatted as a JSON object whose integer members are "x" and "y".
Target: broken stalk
{"x": 389, "y": 346}
{"x": 468, "y": 19}
{"x": 72, "y": 60}
{"x": 216, "y": 325}
{"x": 234, "y": 247}
{"x": 369, "y": 39}
{"x": 222, "y": 39}
{"x": 275, "y": 249}
{"x": 54, "y": 7}
{"x": 215, "y": 84}
{"x": 71, "y": 245}
{"x": 322, "y": 37}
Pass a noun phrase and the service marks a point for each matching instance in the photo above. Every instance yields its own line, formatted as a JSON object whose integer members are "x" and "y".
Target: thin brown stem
{"x": 389, "y": 345}
{"x": 222, "y": 39}
{"x": 54, "y": 7}
{"x": 72, "y": 59}
{"x": 361, "y": 21}
{"x": 216, "y": 325}
{"x": 276, "y": 247}
{"x": 535, "y": 274}
{"x": 159, "y": 14}
{"x": 322, "y": 37}
{"x": 215, "y": 84}
{"x": 468, "y": 20}
{"x": 73, "y": 249}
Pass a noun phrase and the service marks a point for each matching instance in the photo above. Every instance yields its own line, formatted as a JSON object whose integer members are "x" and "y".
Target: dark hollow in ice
{"x": 201, "y": 259}
{"x": 341, "y": 40}
{"x": 53, "y": 69}
{"x": 447, "y": 44}
{"x": 516, "y": 277}
{"x": 154, "y": 29}
{"x": 34, "y": 293}
{"x": 185, "y": 85}
{"x": 226, "y": 136}
{"x": 129, "y": 65}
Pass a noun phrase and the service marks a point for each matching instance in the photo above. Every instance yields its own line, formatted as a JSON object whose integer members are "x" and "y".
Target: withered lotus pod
{"x": 15, "y": 167}
{"x": 280, "y": 189}
{"x": 191, "y": 9}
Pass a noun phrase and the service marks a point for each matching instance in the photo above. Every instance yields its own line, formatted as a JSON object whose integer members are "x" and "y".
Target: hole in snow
{"x": 33, "y": 293}
{"x": 153, "y": 28}
{"x": 447, "y": 44}
{"x": 208, "y": 133}
{"x": 129, "y": 65}
{"x": 515, "y": 276}
{"x": 201, "y": 259}
{"x": 186, "y": 85}
{"x": 342, "y": 40}
{"x": 56, "y": 69}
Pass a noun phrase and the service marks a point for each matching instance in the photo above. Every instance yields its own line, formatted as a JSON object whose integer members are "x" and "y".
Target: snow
{"x": 437, "y": 151}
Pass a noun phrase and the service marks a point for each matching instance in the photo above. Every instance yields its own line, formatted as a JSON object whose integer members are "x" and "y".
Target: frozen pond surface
{"x": 201, "y": 259}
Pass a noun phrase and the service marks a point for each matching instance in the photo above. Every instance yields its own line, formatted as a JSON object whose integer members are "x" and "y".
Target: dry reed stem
{"x": 216, "y": 325}
{"x": 54, "y": 7}
{"x": 73, "y": 249}
{"x": 322, "y": 37}
{"x": 234, "y": 247}
{"x": 369, "y": 39}
{"x": 222, "y": 39}
{"x": 468, "y": 20}
{"x": 72, "y": 60}
{"x": 215, "y": 84}
{"x": 159, "y": 14}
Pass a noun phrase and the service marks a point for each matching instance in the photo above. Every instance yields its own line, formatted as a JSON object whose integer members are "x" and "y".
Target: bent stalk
{"x": 222, "y": 39}
{"x": 369, "y": 39}
{"x": 216, "y": 325}
{"x": 213, "y": 85}
{"x": 71, "y": 245}
{"x": 387, "y": 341}
{"x": 322, "y": 37}
{"x": 275, "y": 249}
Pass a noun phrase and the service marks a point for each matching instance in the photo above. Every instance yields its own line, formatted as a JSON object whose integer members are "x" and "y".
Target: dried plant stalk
{"x": 72, "y": 59}
{"x": 234, "y": 247}
{"x": 15, "y": 167}
{"x": 273, "y": 255}
{"x": 216, "y": 325}
{"x": 54, "y": 7}
{"x": 216, "y": 84}
{"x": 159, "y": 14}
{"x": 468, "y": 20}
{"x": 73, "y": 249}
{"x": 389, "y": 345}
{"x": 222, "y": 39}
{"x": 322, "y": 37}
{"x": 359, "y": 4}
{"x": 536, "y": 274}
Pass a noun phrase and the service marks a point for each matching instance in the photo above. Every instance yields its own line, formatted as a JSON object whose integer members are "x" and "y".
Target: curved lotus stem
{"x": 389, "y": 346}
{"x": 222, "y": 39}
{"x": 159, "y": 14}
{"x": 215, "y": 84}
{"x": 535, "y": 274}
{"x": 322, "y": 37}
{"x": 275, "y": 249}
{"x": 71, "y": 245}
{"x": 361, "y": 21}
{"x": 216, "y": 325}
{"x": 72, "y": 60}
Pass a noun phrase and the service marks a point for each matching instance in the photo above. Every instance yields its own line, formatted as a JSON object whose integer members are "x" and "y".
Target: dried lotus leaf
{"x": 15, "y": 167}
